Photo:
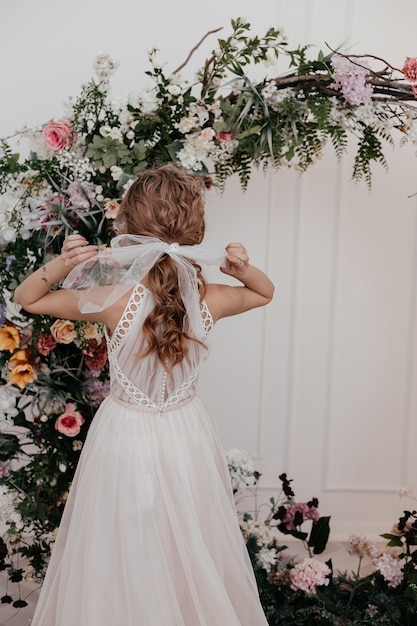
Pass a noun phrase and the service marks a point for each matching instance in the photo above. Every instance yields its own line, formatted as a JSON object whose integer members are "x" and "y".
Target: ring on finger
{"x": 83, "y": 249}
{"x": 238, "y": 261}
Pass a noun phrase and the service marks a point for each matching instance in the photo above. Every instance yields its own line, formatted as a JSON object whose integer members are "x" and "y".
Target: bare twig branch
{"x": 210, "y": 32}
{"x": 365, "y": 55}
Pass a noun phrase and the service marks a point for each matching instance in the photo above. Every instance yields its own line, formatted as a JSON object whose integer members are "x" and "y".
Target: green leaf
{"x": 319, "y": 535}
{"x": 9, "y": 446}
{"x": 393, "y": 540}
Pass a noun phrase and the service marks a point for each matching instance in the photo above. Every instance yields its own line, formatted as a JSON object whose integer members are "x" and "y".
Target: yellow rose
{"x": 63, "y": 331}
{"x": 9, "y": 338}
{"x": 21, "y": 375}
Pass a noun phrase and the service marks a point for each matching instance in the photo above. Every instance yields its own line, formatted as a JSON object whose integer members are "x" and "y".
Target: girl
{"x": 150, "y": 535}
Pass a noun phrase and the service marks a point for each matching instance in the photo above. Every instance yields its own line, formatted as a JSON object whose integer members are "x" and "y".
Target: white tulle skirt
{"x": 150, "y": 535}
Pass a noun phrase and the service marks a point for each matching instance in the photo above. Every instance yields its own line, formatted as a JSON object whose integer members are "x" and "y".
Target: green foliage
{"x": 369, "y": 150}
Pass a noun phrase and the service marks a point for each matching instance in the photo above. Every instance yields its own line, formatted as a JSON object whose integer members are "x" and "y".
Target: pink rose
{"x": 410, "y": 69}
{"x": 225, "y": 135}
{"x": 70, "y": 422}
{"x": 58, "y": 135}
{"x": 46, "y": 343}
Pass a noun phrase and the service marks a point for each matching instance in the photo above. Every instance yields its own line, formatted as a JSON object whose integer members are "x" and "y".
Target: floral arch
{"x": 72, "y": 173}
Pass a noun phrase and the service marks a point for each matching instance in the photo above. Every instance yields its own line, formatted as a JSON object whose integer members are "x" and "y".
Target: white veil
{"x": 100, "y": 282}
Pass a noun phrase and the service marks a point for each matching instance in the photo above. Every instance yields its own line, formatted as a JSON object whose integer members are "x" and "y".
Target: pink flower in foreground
{"x": 225, "y": 135}
{"x": 70, "y": 422}
{"x": 308, "y": 575}
{"x": 46, "y": 343}
{"x": 410, "y": 69}
{"x": 58, "y": 135}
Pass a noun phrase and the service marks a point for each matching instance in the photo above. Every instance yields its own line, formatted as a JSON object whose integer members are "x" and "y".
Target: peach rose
{"x": 92, "y": 331}
{"x": 70, "y": 422}
{"x": 22, "y": 375}
{"x": 112, "y": 208}
{"x": 63, "y": 331}
{"x": 9, "y": 338}
{"x": 58, "y": 135}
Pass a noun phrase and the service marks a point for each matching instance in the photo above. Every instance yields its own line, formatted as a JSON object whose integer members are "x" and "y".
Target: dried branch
{"x": 210, "y": 32}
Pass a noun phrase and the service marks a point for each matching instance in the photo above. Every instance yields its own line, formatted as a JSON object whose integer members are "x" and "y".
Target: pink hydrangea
{"x": 410, "y": 69}
{"x": 350, "y": 77}
{"x": 69, "y": 423}
{"x": 58, "y": 135}
{"x": 390, "y": 569}
{"x": 359, "y": 545}
{"x": 308, "y": 575}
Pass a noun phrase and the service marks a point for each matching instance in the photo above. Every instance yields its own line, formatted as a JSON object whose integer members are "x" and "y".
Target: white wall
{"x": 322, "y": 383}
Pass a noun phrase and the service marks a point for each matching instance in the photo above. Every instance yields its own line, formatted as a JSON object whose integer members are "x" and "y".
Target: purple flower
{"x": 350, "y": 77}
{"x": 9, "y": 261}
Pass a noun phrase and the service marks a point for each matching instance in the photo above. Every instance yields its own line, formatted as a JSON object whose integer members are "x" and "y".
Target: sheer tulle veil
{"x": 100, "y": 282}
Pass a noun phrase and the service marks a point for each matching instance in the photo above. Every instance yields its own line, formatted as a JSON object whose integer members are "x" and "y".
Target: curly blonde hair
{"x": 166, "y": 202}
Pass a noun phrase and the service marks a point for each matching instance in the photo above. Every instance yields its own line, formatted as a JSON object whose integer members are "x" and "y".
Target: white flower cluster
{"x": 8, "y": 511}
{"x": 241, "y": 469}
{"x": 222, "y": 152}
{"x": 266, "y": 537}
{"x": 409, "y": 130}
{"x": 105, "y": 66}
{"x": 197, "y": 147}
{"x": 16, "y": 219}
{"x": 273, "y": 96}
{"x": 390, "y": 568}
{"x": 7, "y": 407}
{"x": 76, "y": 166}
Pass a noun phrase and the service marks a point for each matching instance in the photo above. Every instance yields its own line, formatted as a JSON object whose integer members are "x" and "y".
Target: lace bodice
{"x": 143, "y": 381}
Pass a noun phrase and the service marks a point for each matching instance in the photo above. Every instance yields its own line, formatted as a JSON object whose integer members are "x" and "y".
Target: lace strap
{"x": 126, "y": 320}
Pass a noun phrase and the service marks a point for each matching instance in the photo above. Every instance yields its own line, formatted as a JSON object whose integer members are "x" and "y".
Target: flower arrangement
{"x": 298, "y": 591}
{"x": 71, "y": 174}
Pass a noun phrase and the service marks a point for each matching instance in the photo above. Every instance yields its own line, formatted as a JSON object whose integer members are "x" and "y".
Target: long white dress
{"x": 150, "y": 535}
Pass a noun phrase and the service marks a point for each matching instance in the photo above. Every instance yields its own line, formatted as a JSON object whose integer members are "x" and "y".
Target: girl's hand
{"x": 237, "y": 260}
{"x": 76, "y": 249}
